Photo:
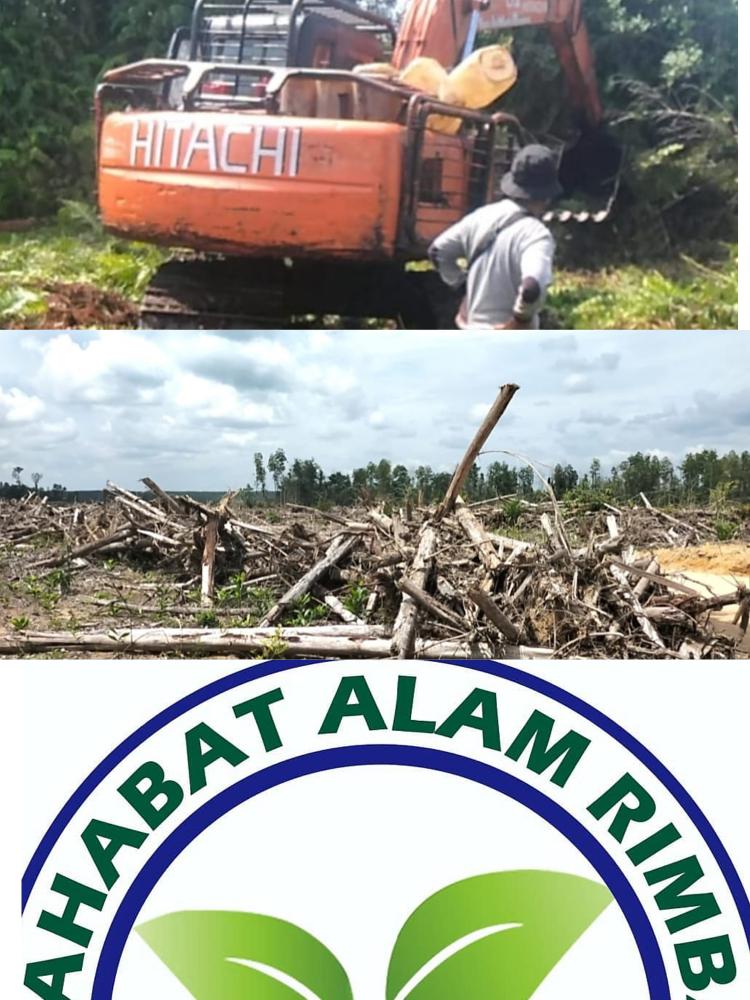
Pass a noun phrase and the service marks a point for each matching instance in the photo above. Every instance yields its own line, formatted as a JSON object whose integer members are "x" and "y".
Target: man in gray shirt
{"x": 508, "y": 249}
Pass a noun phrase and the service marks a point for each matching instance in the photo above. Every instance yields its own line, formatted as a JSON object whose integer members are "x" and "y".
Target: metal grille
{"x": 449, "y": 175}
{"x": 258, "y": 33}
{"x": 506, "y": 145}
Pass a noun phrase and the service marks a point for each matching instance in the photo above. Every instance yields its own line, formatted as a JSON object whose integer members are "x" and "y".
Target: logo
{"x": 457, "y": 938}
{"x": 383, "y": 830}
{"x": 166, "y": 142}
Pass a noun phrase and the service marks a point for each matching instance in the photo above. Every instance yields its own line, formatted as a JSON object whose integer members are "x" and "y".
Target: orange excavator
{"x": 295, "y": 187}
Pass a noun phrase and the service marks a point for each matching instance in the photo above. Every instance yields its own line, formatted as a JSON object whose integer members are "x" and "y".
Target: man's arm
{"x": 446, "y": 251}
{"x": 536, "y": 271}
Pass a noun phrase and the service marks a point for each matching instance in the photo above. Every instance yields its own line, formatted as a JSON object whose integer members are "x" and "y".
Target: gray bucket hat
{"x": 533, "y": 175}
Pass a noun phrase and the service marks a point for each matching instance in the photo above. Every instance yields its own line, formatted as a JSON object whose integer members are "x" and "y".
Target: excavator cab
{"x": 327, "y": 34}
{"x": 324, "y": 34}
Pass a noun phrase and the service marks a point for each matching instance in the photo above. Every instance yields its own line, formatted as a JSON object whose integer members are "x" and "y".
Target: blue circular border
{"x": 501, "y": 670}
{"x": 402, "y": 756}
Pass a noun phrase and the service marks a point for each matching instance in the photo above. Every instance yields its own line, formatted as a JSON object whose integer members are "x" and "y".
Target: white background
{"x": 693, "y": 716}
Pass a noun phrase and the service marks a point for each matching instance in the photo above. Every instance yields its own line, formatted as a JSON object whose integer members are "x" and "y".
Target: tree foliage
{"x": 667, "y": 71}
{"x": 52, "y": 53}
{"x": 695, "y": 480}
{"x": 702, "y": 477}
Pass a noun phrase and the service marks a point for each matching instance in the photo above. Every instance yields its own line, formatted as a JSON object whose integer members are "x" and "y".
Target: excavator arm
{"x": 446, "y": 31}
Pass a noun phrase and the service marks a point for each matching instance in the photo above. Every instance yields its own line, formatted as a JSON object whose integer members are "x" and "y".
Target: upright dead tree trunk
{"x": 405, "y": 626}
{"x": 498, "y": 408}
{"x": 208, "y": 566}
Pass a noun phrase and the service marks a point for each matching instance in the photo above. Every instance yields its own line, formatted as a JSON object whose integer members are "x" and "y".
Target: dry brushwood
{"x": 428, "y": 582}
{"x": 458, "y": 586}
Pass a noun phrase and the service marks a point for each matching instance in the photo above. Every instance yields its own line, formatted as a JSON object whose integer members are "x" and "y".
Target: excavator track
{"x": 216, "y": 293}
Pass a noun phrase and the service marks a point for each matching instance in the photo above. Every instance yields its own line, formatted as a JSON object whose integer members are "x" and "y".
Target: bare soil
{"x": 714, "y": 570}
{"x": 78, "y": 305}
{"x": 722, "y": 558}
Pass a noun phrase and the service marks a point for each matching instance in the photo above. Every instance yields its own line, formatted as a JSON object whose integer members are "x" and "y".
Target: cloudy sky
{"x": 190, "y": 409}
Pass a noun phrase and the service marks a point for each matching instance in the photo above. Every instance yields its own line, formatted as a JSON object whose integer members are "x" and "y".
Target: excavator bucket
{"x": 590, "y": 171}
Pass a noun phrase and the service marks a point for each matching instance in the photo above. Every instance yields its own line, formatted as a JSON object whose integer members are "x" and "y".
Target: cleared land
{"x": 158, "y": 575}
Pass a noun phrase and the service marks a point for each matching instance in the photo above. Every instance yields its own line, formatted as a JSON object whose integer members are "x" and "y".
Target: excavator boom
{"x": 441, "y": 29}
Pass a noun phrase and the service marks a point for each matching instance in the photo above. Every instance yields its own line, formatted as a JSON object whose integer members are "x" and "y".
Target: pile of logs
{"x": 445, "y": 582}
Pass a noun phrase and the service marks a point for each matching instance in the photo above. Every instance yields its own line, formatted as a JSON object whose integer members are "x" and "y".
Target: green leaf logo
{"x": 500, "y": 934}
{"x": 497, "y": 936}
{"x": 238, "y": 955}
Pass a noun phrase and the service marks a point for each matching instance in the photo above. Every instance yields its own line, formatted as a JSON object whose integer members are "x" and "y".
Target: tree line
{"x": 701, "y": 476}
{"x": 17, "y": 488}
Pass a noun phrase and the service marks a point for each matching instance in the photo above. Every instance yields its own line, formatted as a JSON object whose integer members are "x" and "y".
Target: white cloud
{"x": 578, "y": 382}
{"x": 115, "y": 367}
{"x": 189, "y": 409}
{"x": 16, "y": 407}
{"x": 330, "y": 379}
{"x": 563, "y": 343}
{"x": 238, "y": 439}
{"x": 219, "y": 404}
{"x": 320, "y": 341}
{"x": 608, "y": 361}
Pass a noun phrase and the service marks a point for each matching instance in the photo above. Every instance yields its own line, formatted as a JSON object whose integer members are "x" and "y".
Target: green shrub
{"x": 584, "y": 497}
{"x": 306, "y": 611}
{"x": 687, "y": 296}
{"x": 207, "y": 619}
{"x": 355, "y": 599}
{"x": 512, "y": 510}
{"x": 725, "y": 530}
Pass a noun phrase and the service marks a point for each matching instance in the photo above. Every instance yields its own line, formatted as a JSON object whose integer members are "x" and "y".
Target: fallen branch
{"x": 339, "y": 547}
{"x": 371, "y": 642}
{"x": 485, "y": 603}
{"x": 483, "y": 541}
{"x": 83, "y": 550}
{"x": 430, "y": 604}
{"x": 344, "y": 613}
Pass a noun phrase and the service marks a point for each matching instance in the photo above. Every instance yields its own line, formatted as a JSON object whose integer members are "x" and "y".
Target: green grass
{"x": 72, "y": 249}
{"x": 681, "y": 295}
